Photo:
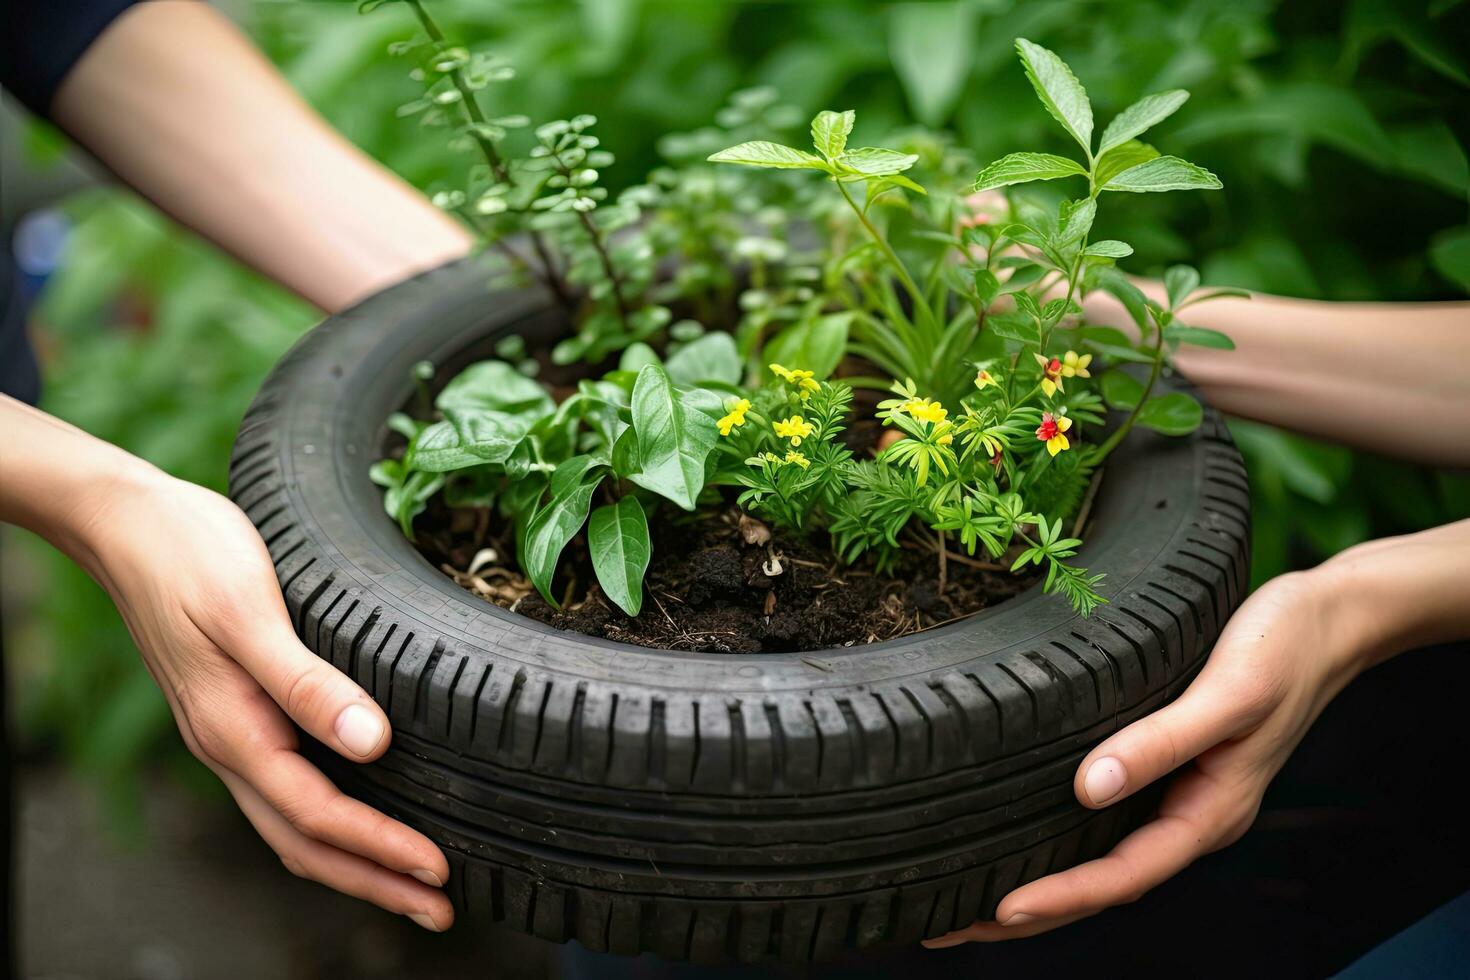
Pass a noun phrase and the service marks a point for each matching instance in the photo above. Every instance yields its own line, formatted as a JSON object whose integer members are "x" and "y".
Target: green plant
{"x": 996, "y": 304}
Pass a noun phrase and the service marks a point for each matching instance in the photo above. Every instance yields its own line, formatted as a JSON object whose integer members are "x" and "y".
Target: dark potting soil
{"x": 709, "y": 589}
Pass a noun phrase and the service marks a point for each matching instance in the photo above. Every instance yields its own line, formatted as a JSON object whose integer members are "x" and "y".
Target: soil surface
{"x": 712, "y": 586}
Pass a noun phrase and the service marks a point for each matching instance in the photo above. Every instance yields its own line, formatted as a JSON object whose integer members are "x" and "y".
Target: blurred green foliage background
{"x": 1340, "y": 131}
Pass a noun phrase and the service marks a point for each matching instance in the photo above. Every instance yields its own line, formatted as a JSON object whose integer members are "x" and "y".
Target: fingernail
{"x": 359, "y": 729}
{"x": 423, "y": 919}
{"x": 427, "y": 877}
{"x": 1017, "y": 919}
{"x": 1104, "y": 780}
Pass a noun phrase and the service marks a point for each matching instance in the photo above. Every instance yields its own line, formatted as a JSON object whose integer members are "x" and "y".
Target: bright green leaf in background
{"x": 1174, "y": 414}
{"x": 932, "y": 46}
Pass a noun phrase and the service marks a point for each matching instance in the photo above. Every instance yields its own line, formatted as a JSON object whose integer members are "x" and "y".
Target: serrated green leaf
{"x": 875, "y": 161}
{"x": 617, "y": 537}
{"x": 1179, "y": 282}
{"x": 712, "y": 357}
{"x": 1110, "y": 248}
{"x": 1016, "y": 168}
{"x": 1180, "y": 333}
{"x": 1142, "y": 115}
{"x": 1120, "y": 158}
{"x": 762, "y": 153}
{"x": 1163, "y": 174}
{"x": 1174, "y": 414}
{"x": 1059, "y": 90}
{"x": 830, "y": 131}
{"x": 1074, "y": 220}
{"x": 674, "y": 439}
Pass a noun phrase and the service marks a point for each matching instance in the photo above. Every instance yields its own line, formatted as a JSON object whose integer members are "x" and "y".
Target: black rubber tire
{"x": 717, "y": 807}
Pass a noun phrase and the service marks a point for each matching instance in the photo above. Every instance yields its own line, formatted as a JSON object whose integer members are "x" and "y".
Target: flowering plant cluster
{"x": 743, "y": 369}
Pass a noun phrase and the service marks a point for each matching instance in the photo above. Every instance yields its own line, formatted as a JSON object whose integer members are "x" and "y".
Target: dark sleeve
{"x": 43, "y": 39}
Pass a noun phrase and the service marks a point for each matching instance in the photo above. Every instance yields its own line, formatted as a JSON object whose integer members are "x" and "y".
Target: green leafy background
{"x": 1340, "y": 131}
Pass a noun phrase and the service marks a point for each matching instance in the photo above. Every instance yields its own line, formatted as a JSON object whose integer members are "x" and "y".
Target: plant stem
{"x": 548, "y": 271}
{"x": 1101, "y": 452}
{"x": 921, "y": 304}
{"x": 943, "y": 563}
{"x": 595, "y": 235}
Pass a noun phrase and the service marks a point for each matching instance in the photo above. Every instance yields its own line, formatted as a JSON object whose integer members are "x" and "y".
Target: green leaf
{"x": 712, "y": 357}
{"x": 674, "y": 439}
{"x": 1059, "y": 90}
{"x": 494, "y": 385}
{"x": 1120, "y": 389}
{"x": 875, "y": 161}
{"x": 830, "y": 131}
{"x": 1450, "y": 254}
{"x": 1110, "y": 248}
{"x": 1180, "y": 333}
{"x": 1015, "y": 326}
{"x": 1147, "y": 112}
{"x": 1164, "y": 174}
{"x": 931, "y": 47}
{"x": 1222, "y": 293}
{"x": 762, "y": 153}
{"x": 1174, "y": 414}
{"x": 1110, "y": 280}
{"x": 815, "y": 344}
{"x": 558, "y": 522}
{"x": 1179, "y": 282}
{"x": 1120, "y": 158}
{"x": 1115, "y": 345}
{"x": 1074, "y": 220}
{"x": 635, "y": 356}
{"x": 987, "y": 287}
{"x": 1016, "y": 168}
{"x": 617, "y": 536}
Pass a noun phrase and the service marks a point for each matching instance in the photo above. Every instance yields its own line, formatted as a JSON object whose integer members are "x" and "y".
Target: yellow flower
{"x": 925, "y": 410}
{"x": 1051, "y": 432}
{"x": 1051, "y": 374}
{"x": 735, "y": 418}
{"x": 798, "y": 459}
{"x": 1074, "y": 366}
{"x": 945, "y": 439}
{"x": 985, "y": 379}
{"x": 795, "y": 429}
{"x": 771, "y": 458}
{"x": 805, "y": 382}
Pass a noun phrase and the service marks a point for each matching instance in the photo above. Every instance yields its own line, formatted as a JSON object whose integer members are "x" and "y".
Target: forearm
{"x": 1387, "y": 377}
{"x": 1401, "y": 593}
{"x": 53, "y": 477}
{"x": 177, "y": 103}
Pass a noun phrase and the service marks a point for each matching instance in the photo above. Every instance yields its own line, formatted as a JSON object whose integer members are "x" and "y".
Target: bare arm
{"x": 182, "y": 107}
{"x": 1387, "y": 377}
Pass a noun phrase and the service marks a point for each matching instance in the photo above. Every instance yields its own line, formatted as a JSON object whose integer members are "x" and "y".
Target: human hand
{"x": 198, "y": 591}
{"x": 1283, "y": 656}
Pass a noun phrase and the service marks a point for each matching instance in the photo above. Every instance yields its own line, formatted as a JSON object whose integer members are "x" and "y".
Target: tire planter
{"x": 769, "y": 807}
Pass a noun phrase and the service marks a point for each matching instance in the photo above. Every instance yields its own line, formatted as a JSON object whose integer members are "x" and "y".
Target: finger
{"x": 1199, "y": 814}
{"x": 1019, "y": 927}
{"x": 319, "y": 698}
{"x": 241, "y": 729}
{"x": 347, "y": 873}
{"x": 1208, "y": 713}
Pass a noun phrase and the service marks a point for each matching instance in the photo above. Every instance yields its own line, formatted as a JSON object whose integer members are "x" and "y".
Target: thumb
{"x": 326, "y": 703}
{"x": 1154, "y": 746}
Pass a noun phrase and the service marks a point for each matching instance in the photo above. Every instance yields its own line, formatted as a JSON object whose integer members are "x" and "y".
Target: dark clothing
{"x": 39, "y": 44}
